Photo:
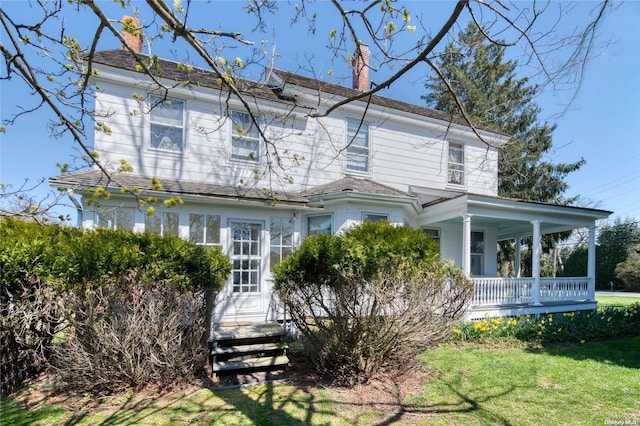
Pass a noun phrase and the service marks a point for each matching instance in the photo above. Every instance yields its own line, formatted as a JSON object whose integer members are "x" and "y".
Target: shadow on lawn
{"x": 271, "y": 403}
{"x": 621, "y": 352}
{"x": 264, "y": 404}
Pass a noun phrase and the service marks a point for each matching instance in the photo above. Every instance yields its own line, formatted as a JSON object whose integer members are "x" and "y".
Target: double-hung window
{"x": 281, "y": 239}
{"x": 245, "y": 137}
{"x": 434, "y": 233}
{"x": 357, "y": 146}
{"x": 204, "y": 229}
{"x": 456, "y": 164}
{"x": 167, "y": 124}
{"x": 162, "y": 223}
{"x": 477, "y": 253}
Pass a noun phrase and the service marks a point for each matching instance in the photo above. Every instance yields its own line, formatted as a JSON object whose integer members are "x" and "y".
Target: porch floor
{"x": 510, "y": 310}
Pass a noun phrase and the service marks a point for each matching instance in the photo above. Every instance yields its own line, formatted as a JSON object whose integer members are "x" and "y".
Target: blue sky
{"x": 600, "y": 125}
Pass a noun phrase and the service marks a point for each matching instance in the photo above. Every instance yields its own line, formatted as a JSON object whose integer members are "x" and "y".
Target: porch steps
{"x": 248, "y": 347}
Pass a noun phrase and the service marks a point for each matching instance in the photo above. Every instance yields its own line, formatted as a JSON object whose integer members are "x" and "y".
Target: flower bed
{"x": 605, "y": 323}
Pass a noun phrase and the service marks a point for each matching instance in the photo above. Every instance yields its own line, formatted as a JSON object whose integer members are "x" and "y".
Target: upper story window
{"x": 245, "y": 137}
{"x": 357, "y": 146}
{"x": 321, "y": 224}
{"x": 456, "y": 164}
{"x": 167, "y": 124}
{"x": 204, "y": 229}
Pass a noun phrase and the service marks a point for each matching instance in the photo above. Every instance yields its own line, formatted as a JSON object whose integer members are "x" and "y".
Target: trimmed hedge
{"x": 42, "y": 268}
{"x": 72, "y": 259}
{"x": 370, "y": 299}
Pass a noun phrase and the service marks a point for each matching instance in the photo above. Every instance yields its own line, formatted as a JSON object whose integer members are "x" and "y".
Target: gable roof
{"x": 122, "y": 59}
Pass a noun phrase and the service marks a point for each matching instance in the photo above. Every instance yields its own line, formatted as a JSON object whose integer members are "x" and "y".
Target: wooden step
{"x": 259, "y": 362}
{"x": 253, "y": 331}
{"x": 259, "y": 347}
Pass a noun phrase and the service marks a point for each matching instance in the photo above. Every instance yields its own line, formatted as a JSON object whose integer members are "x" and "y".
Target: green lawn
{"x": 467, "y": 384}
{"x": 616, "y": 300}
{"x": 584, "y": 384}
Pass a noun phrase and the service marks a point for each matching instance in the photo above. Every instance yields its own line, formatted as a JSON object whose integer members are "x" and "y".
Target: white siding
{"x": 404, "y": 150}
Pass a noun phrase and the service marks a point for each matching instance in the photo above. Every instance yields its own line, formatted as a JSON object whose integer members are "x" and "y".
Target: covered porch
{"x": 498, "y": 219}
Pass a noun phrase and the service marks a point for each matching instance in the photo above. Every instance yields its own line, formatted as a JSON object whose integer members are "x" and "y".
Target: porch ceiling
{"x": 511, "y": 218}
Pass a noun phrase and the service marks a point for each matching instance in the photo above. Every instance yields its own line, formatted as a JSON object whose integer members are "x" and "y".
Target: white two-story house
{"x": 374, "y": 159}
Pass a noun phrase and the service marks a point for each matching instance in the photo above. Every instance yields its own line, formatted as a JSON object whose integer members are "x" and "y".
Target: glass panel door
{"x": 246, "y": 257}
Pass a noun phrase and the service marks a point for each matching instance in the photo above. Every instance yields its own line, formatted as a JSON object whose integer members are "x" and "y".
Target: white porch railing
{"x": 502, "y": 291}
{"x": 564, "y": 289}
{"x": 507, "y": 291}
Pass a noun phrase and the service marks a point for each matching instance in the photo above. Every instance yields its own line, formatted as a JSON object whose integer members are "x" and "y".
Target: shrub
{"x": 629, "y": 271}
{"x": 573, "y": 327}
{"x": 374, "y": 297}
{"x": 130, "y": 337}
{"x": 47, "y": 271}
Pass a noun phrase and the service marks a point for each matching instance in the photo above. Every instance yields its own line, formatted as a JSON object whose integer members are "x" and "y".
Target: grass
{"x": 580, "y": 384}
{"x": 467, "y": 384}
{"x": 616, "y": 300}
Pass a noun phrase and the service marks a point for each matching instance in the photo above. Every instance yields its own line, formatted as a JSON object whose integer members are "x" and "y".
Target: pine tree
{"x": 491, "y": 94}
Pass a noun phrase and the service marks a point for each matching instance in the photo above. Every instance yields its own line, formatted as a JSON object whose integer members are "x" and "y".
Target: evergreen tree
{"x": 493, "y": 97}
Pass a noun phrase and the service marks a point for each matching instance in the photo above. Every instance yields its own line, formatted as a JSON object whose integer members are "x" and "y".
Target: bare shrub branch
{"x": 127, "y": 340}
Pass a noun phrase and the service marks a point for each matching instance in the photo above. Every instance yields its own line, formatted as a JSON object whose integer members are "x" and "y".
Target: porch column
{"x": 591, "y": 263}
{"x": 535, "y": 260}
{"x": 466, "y": 245}
{"x": 517, "y": 266}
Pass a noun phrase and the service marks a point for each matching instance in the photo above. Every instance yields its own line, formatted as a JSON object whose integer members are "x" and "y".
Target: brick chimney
{"x": 360, "y": 65}
{"x": 132, "y": 33}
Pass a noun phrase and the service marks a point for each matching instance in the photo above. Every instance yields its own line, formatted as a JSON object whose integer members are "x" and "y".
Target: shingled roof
{"x": 122, "y": 59}
{"x": 95, "y": 178}
{"x": 356, "y": 185}
{"x": 349, "y": 184}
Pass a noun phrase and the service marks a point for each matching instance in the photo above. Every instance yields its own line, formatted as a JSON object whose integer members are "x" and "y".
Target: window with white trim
{"x": 374, "y": 217}
{"x": 204, "y": 229}
{"x": 115, "y": 217}
{"x": 357, "y": 146}
{"x": 455, "y": 168}
{"x": 321, "y": 224}
{"x": 434, "y": 233}
{"x": 245, "y": 137}
{"x": 167, "y": 124}
{"x": 477, "y": 253}
{"x": 162, "y": 223}
{"x": 281, "y": 239}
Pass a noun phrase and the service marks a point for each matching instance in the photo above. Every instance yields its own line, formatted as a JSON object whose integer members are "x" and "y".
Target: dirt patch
{"x": 384, "y": 397}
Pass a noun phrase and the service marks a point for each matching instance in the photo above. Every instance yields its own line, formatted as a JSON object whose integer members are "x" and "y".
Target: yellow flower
{"x": 581, "y": 341}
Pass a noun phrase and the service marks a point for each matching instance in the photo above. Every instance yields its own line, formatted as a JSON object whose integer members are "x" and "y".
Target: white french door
{"x": 244, "y": 292}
